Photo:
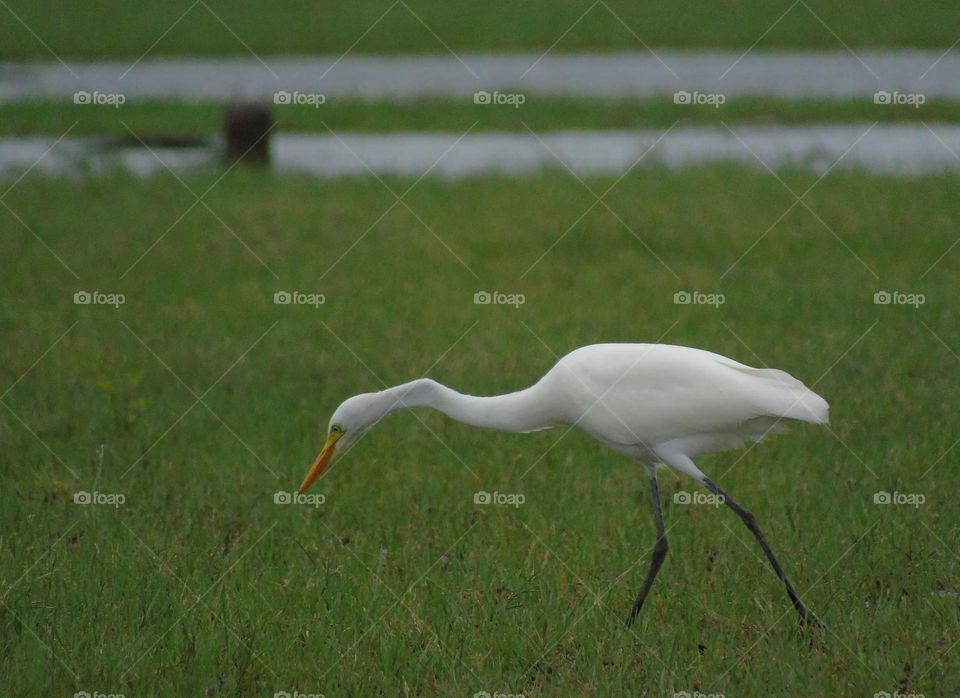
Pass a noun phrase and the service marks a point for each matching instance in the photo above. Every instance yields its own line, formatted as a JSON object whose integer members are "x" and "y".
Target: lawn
{"x": 111, "y": 28}
{"x": 198, "y": 399}
{"x": 539, "y": 113}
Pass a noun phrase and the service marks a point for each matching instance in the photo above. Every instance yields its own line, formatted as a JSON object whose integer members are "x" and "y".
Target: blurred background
{"x": 220, "y": 220}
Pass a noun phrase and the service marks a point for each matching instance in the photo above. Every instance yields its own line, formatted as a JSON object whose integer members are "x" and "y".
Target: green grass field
{"x": 538, "y": 113}
{"x": 199, "y": 398}
{"x": 226, "y": 27}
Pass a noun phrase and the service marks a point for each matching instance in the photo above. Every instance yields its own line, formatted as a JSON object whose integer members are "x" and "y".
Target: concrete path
{"x": 898, "y": 149}
{"x": 783, "y": 74}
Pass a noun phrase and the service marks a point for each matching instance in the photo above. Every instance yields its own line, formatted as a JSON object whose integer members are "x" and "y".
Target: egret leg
{"x": 751, "y": 522}
{"x": 659, "y": 549}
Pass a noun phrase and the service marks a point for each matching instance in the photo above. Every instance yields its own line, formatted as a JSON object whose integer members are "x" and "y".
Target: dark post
{"x": 245, "y": 129}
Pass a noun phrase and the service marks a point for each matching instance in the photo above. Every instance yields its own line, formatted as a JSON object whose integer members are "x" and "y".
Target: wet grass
{"x": 199, "y": 398}
{"x": 457, "y": 115}
{"x": 228, "y": 27}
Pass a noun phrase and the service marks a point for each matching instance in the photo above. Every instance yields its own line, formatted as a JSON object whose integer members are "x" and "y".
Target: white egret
{"x": 658, "y": 404}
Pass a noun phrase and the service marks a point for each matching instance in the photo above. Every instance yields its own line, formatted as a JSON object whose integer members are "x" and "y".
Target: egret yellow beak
{"x": 320, "y": 464}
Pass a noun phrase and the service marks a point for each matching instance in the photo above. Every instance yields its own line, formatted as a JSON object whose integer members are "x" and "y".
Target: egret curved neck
{"x": 522, "y": 411}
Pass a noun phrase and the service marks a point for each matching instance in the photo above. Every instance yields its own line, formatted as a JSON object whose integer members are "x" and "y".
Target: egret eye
{"x": 336, "y": 429}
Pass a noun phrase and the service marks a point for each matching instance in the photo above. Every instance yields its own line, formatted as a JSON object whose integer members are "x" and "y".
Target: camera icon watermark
{"x": 702, "y": 498}
{"x": 299, "y": 298}
{"x": 899, "y": 298}
{"x": 114, "y": 499}
{"x": 297, "y": 98}
{"x": 513, "y": 99}
{"x": 499, "y": 298}
{"x": 913, "y": 499}
{"x": 712, "y": 99}
{"x": 313, "y": 499}
{"x": 699, "y": 298}
{"x": 99, "y": 298}
{"x": 912, "y": 99}
{"x": 499, "y": 499}
{"x": 99, "y": 99}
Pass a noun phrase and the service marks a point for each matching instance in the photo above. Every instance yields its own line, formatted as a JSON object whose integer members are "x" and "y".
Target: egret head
{"x": 353, "y": 417}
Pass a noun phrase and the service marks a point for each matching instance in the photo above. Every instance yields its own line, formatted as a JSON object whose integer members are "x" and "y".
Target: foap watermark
{"x": 300, "y": 99}
{"x": 499, "y": 499}
{"x": 296, "y": 694}
{"x": 513, "y": 99}
{"x": 713, "y": 99}
{"x": 699, "y": 298}
{"x": 696, "y": 694}
{"x": 99, "y": 298}
{"x": 913, "y": 499}
{"x": 709, "y": 499}
{"x": 100, "y": 99}
{"x": 112, "y": 499}
{"x": 314, "y": 499}
{"x": 896, "y": 694}
{"x": 96, "y": 694}
{"x": 899, "y": 298}
{"x": 499, "y": 298}
{"x": 912, "y": 99}
{"x": 299, "y": 298}
{"x": 497, "y": 694}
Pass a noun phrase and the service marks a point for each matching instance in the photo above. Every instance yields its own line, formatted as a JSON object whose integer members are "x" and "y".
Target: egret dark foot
{"x": 659, "y": 548}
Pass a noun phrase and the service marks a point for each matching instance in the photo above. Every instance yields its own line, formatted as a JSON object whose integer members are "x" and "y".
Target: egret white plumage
{"x": 660, "y": 405}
